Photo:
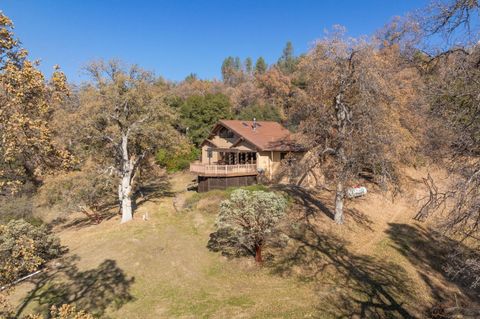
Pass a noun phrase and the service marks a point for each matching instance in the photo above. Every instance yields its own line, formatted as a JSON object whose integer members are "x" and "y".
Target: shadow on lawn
{"x": 150, "y": 190}
{"x": 303, "y": 197}
{"x": 428, "y": 251}
{"x": 153, "y": 189}
{"x": 352, "y": 286}
{"x": 312, "y": 205}
{"x": 94, "y": 290}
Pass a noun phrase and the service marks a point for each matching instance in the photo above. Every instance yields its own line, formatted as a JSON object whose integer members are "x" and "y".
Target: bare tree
{"x": 452, "y": 91}
{"x": 355, "y": 93}
{"x": 454, "y": 19}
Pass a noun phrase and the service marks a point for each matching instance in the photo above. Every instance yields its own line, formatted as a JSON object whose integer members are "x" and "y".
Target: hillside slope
{"x": 379, "y": 264}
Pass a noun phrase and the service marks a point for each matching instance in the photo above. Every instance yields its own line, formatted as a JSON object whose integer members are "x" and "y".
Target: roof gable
{"x": 266, "y": 136}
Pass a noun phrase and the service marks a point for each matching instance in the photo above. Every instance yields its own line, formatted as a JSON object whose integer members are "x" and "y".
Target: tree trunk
{"x": 339, "y": 196}
{"x": 125, "y": 187}
{"x": 258, "y": 254}
{"x": 343, "y": 117}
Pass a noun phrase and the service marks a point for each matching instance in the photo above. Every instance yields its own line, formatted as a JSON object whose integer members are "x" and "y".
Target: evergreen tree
{"x": 287, "y": 61}
{"x": 260, "y": 66}
{"x": 192, "y": 77}
{"x": 260, "y": 112}
{"x": 237, "y": 64}
{"x": 232, "y": 72}
{"x": 228, "y": 69}
{"x": 248, "y": 65}
{"x": 251, "y": 216}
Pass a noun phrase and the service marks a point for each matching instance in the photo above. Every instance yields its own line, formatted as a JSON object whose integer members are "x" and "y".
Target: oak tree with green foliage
{"x": 199, "y": 113}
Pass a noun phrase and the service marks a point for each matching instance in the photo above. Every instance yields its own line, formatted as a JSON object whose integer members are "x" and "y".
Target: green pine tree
{"x": 260, "y": 66}
{"x": 248, "y": 65}
{"x": 287, "y": 61}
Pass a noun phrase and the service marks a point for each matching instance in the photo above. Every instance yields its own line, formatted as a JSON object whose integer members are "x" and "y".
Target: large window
{"x": 225, "y": 133}
{"x": 234, "y": 158}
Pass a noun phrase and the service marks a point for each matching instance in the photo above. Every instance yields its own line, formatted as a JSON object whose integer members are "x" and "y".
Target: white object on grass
{"x": 353, "y": 192}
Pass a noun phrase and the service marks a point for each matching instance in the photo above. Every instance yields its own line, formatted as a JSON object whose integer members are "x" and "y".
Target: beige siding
{"x": 224, "y": 143}
{"x": 269, "y": 162}
{"x": 263, "y": 160}
{"x": 245, "y": 146}
{"x": 214, "y": 158}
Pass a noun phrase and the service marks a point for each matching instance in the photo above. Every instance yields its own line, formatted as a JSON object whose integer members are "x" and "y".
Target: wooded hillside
{"x": 368, "y": 110}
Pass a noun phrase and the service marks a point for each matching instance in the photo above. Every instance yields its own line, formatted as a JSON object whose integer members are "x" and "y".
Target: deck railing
{"x": 223, "y": 170}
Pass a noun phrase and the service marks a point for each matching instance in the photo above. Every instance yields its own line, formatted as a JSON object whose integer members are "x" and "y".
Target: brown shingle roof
{"x": 267, "y": 136}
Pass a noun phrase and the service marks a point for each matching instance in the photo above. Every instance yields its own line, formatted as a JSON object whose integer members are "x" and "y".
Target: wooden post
{"x": 271, "y": 164}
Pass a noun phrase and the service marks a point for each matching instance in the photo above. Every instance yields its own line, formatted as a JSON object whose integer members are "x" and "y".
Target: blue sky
{"x": 176, "y": 38}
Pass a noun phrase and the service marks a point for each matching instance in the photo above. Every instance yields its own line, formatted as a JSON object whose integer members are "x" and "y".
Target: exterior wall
{"x": 271, "y": 166}
{"x": 223, "y": 143}
{"x": 263, "y": 161}
{"x": 276, "y": 162}
{"x": 245, "y": 146}
{"x": 269, "y": 161}
{"x": 214, "y": 158}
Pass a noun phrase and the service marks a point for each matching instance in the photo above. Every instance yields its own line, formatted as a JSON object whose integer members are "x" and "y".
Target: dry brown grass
{"x": 379, "y": 264}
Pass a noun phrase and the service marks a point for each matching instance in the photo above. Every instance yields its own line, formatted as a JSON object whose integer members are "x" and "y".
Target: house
{"x": 237, "y": 152}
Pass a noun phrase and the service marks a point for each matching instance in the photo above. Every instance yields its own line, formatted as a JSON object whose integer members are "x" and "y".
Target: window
{"x": 283, "y": 155}
{"x": 225, "y": 133}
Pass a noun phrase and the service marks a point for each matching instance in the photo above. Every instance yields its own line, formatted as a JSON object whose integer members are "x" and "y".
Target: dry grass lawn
{"x": 380, "y": 264}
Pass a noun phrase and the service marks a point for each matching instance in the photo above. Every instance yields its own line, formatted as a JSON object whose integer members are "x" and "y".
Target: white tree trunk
{"x": 125, "y": 187}
{"x": 343, "y": 117}
{"x": 339, "y": 196}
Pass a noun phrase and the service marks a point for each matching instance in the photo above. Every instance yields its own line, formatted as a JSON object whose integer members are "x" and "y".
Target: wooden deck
{"x": 223, "y": 170}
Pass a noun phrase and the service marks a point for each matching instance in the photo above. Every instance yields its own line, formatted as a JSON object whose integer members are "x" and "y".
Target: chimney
{"x": 254, "y": 124}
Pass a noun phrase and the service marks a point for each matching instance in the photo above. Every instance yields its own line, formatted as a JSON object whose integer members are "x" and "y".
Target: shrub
{"x": 63, "y": 312}
{"x": 251, "y": 216}
{"x": 25, "y": 247}
{"x": 178, "y": 159}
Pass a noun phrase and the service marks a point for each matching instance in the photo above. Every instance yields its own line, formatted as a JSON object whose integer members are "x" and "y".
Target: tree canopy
{"x": 198, "y": 114}
{"x": 252, "y": 215}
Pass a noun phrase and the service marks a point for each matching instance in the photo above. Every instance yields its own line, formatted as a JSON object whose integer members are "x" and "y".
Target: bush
{"x": 63, "y": 312}
{"x": 25, "y": 247}
{"x": 250, "y": 217}
{"x": 177, "y": 160}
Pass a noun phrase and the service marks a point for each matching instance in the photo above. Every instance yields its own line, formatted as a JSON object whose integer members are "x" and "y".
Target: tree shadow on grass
{"x": 352, "y": 286}
{"x": 94, "y": 290}
{"x": 304, "y": 198}
{"x": 153, "y": 189}
{"x": 428, "y": 251}
{"x": 150, "y": 190}
{"x": 224, "y": 241}
{"x": 312, "y": 205}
